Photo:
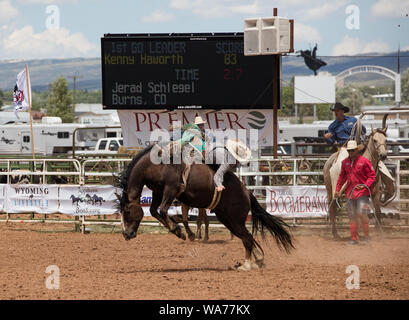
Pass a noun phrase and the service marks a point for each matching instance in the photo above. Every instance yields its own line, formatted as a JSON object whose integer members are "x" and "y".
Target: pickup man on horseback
{"x": 340, "y": 129}
{"x": 359, "y": 175}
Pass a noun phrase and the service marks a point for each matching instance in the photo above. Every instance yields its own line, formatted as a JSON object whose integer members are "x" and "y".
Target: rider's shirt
{"x": 341, "y": 130}
{"x": 194, "y": 136}
{"x": 359, "y": 171}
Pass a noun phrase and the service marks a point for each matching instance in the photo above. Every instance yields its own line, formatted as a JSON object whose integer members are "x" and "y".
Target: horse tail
{"x": 275, "y": 225}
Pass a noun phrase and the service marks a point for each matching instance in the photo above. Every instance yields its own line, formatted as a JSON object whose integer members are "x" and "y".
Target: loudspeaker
{"x": 252, "y": 37}
{"x": 265, "y": 36}
{"x": 275, "y": 35}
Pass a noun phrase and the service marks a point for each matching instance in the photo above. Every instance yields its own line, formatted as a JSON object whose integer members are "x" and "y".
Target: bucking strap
{"x": 185, "y": 175}
{"x": 216, "y": 199}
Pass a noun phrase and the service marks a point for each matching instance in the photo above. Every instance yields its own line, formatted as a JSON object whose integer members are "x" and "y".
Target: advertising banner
{"x": 23, "y": 198}
{"x": 87, "y": 200}
{"x": 297, "y": 201}
{"x": 137, "y": 125}
{"x": 2, "y": 197}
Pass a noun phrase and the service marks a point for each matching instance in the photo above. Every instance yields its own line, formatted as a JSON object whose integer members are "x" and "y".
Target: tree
{"x": 405, "y": 87}
{"x": 60, "y": 101}
{"x": 1, "y": 98}
{"x": 287, "y": 101}
{"x": 351, "y": 97}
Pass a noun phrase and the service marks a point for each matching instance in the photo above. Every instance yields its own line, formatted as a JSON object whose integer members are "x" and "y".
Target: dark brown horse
{"x": 165, "y": 182}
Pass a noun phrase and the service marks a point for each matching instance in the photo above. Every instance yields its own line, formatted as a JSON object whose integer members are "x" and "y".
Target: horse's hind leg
{"x": 199, "y": 222}
{"x": 204, "y": 218}
{"x": 185, "y": 219}
{"x": 251, "y": 247}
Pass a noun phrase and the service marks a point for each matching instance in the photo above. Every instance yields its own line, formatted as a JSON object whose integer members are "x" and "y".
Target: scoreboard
{"x": 177, "y": 71}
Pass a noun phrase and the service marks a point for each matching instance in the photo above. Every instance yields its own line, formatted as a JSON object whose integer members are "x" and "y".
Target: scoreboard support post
{"x": 276, "y": 100}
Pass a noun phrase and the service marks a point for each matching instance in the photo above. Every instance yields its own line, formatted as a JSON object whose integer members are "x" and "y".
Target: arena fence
{"x": 260, "y": 176}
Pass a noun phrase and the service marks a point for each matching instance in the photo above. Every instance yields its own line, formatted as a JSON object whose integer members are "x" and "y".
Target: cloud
{"x": 352, "y": 46}
{"x": 305, "y": 33}
{"x": 323, "y": 10}
{"x": 217, "y": 8}
{"x": 390, "y": 8}
{"x": 159, "y": 16}
{"x": 7, "y": 11}
{"x": 53, "y": 43}
{"x": 47, "y": 1}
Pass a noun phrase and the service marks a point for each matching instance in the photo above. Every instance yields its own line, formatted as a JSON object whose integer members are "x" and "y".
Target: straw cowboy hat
{"x": 352, "y": 145}
{"x": 238, "y": 149}
{"x": 340, "y": 106}
{"x": 199, "y": 120}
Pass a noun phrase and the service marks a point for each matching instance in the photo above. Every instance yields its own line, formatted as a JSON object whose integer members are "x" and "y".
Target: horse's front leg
{"x": 156, "y": 200}
{"x": 169, "y": 195}
{"x": 333, "y": 219}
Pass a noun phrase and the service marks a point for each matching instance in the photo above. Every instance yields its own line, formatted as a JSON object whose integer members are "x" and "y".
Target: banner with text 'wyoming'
{"x": 23, "y": 198}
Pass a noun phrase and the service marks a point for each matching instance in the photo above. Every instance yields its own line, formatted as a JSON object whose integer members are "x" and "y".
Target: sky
{"x": 41, "y": 29}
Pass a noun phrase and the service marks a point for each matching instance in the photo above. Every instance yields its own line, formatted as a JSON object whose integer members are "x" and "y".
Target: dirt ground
{"x": 160, "y": 266}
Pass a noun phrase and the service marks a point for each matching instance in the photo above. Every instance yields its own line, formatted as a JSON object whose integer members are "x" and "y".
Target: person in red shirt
{"x": 356, "y": 171}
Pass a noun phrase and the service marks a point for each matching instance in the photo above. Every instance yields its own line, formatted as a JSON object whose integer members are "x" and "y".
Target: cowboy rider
{"x": 357, "y": 172}
{"x": 340, "y": 129}
{"x": 234, "y": 154}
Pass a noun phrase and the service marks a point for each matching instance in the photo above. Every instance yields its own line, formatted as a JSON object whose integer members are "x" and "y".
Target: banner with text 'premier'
{"x": 137, "y": 126}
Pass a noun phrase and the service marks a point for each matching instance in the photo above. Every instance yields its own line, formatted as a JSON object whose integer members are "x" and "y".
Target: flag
{"x": 22, "y": 92}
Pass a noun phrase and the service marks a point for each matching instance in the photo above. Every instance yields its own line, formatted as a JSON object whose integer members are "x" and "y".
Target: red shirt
{"x": 359, "y": 171}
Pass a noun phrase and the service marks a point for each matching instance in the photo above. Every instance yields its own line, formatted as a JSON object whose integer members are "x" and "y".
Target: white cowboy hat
{"x": 238, "y": 149}
{"x": 199, "y": 120}
{"x": 352, "y": 145}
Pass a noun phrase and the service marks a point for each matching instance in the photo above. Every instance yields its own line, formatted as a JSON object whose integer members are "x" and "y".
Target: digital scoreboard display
{"x": 177, "y": 71}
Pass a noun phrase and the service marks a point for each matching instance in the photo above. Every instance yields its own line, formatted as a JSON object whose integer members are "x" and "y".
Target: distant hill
{"x": 43, "y": 72}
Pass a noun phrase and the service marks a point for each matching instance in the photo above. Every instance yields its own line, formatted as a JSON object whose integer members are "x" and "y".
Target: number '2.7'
{"x": 232, "y": 73}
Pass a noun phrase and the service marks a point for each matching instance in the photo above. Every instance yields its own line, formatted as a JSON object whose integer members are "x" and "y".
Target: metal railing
{"x": 41, "y": 168}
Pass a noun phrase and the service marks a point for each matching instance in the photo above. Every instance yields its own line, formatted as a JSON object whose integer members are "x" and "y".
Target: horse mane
{"x": 122, "y": 179}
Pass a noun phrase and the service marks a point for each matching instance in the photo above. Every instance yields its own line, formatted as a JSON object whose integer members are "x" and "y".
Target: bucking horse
{"x": 232, "y": 209}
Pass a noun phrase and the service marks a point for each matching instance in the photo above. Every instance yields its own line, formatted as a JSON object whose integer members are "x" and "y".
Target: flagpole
{"x": 29, "y": 110}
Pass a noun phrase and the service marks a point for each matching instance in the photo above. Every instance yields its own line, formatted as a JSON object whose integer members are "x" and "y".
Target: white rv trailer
{"x": 288, "y": 131}
{"x": 51, "y": 138}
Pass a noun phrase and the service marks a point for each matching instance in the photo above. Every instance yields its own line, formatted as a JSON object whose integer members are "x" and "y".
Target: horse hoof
{"x": 206, "y": 239}
{"x": 243, "y": 267}
{"x": 336, "y": 237}
{"x": 258, "y": 264}
{"x": 192, "y": 237}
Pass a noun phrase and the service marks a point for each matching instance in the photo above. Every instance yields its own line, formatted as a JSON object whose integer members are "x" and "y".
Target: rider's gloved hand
{"x": 220, "y": 188}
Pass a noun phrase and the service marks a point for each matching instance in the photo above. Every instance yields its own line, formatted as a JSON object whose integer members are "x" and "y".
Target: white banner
{"x": 297, "y": 201}
{"x": 23, "y": 198}
{"x": 137, "y": 125}
{"x": 2, "y": 197}
{"x": 146, "y": 201}
{"x": 87, "y": 200}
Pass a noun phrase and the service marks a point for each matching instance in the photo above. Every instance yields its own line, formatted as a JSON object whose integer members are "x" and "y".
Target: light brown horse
{"x": 375, "y": 151}
{"x": 165, "y": 181}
